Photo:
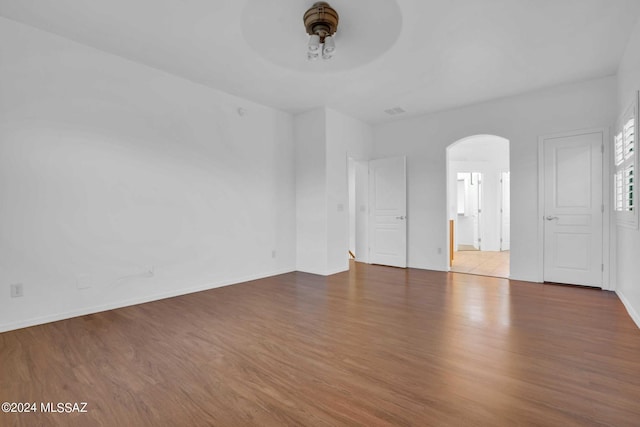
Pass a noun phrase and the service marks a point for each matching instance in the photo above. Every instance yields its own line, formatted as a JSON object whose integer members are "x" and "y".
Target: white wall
{"x": 628, "y": 240}
{"x": 325, "y": 139}
{"x": 346, "y": 137}
{"x": 109, "y": 168}
{"x": 311, "y": 191}
{"x": 520, "y": 119}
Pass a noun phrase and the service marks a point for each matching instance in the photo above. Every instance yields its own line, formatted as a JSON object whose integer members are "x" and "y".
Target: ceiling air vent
{"x": 395, "y": 110}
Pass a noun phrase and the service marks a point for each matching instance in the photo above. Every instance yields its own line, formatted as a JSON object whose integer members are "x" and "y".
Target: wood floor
{"x": 376, "y": 346}
{"x": 484, "y": 263}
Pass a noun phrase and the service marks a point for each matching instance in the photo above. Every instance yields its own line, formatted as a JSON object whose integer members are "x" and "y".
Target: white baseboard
{"x": 336, "y": 271}
{"x": 322, "y": 273}
{"x": 120, "y": 304}
{"x": 310, "y": 271}
{"x": 627, "y": 304}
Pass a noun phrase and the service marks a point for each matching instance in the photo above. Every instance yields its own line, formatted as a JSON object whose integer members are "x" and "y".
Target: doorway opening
{"x": 479, "y": 209}
{"x": 377, "y": 226}
{"x": 358, "y": 195}
{"x": 351, "y": 179}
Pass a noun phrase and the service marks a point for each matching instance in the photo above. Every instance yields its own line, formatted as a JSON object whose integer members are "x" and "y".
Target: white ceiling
{"x": 448, "y": 53}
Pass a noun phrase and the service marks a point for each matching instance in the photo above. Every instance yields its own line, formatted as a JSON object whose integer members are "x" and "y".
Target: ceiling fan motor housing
{"x": 321, "y": 19}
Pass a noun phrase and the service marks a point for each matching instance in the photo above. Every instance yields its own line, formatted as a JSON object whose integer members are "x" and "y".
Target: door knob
{"x": 401, "y": 217}
{"x": 551, "y": 218}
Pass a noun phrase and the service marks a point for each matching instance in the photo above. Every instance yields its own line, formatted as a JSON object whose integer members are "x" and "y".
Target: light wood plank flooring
{"x": 484, "y": 263}
{"x": 376, "y": 346}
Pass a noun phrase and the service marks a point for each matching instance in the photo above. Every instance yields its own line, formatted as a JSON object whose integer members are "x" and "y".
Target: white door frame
{"x": 606, "y": 200}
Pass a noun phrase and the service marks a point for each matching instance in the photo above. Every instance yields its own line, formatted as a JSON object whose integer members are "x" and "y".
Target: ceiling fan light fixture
{"x": 321, "y": 23}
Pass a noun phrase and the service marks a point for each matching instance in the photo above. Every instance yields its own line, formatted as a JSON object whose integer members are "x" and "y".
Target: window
{"x": 625, "y": 158}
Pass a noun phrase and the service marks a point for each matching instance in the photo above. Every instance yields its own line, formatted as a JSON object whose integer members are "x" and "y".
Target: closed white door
{"x": 505, "y": 211}
{"x": 388, "y": 212}
{"x": 573, "y": 208}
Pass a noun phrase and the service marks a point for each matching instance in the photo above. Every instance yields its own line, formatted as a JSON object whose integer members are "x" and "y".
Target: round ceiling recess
{"x": 278, "y": 31}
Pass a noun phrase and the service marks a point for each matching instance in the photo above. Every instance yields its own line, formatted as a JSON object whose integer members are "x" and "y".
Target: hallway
{"x": 483, "y": 263}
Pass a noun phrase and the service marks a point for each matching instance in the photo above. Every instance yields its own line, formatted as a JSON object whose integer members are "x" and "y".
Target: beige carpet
{"x": 484, "y": 263}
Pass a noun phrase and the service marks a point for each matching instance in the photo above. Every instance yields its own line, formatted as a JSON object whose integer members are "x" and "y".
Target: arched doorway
{"x": 478, "y": 205}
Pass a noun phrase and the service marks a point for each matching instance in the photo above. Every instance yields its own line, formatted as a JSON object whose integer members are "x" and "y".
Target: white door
{"x": 505, "y": 211}
{"x": 573, "y": 208}
{"x": 388, "y": 221}
{"x": 478, "y": 217}
{"x": 468, "y": 220}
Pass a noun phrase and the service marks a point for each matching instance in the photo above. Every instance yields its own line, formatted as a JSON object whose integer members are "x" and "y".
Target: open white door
{"x": 388, "y": 212}
{"x": 505, "y": 211}
{"x": 468, "y": 226}
{"x": 573, "y": 208}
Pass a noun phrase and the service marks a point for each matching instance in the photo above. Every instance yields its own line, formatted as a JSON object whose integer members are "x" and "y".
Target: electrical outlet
{"x": 439, "y": 251}
{"x": 17, "y": 290}
{"x": 273, "y": 253}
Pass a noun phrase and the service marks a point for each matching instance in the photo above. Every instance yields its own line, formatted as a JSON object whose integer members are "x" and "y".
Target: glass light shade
{"x": 329, "y": 45}
{"x": 314, "y": 43}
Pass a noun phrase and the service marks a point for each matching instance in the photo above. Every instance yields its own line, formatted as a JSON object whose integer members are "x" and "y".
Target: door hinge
{"x": 602, "y": 148}
{"x": 601, "y": 267}
{"x": 602, "y": 208}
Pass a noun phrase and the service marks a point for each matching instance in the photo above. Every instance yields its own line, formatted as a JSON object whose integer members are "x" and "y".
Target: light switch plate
{"x": 17, "y": 290}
